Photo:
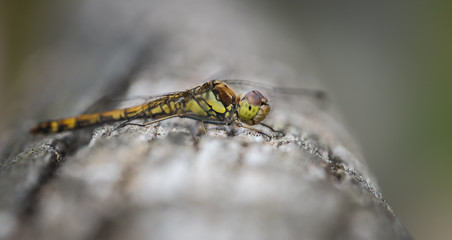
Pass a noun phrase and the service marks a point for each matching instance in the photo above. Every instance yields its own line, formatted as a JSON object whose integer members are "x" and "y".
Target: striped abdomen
{"x": 161, "y": 107}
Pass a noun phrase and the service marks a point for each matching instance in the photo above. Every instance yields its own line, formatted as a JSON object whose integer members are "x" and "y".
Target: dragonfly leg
{"x": 203, "y": 127}
{"x": 129, "y": 123}
{"x": 273, "y": 130}
{"x": 121, "y": 125}
{"x": 125, "y": 123}
{"x": 161, "y": 119}
{"x": 224, "y": 123}
{"x": 253, "y": 129}
{"x": 203, "y": 120}
{"x": 190, "y": 116}
{"x": 194, "y": 117}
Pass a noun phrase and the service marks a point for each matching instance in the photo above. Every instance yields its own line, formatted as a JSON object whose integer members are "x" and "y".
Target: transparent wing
{"x": 138, "y": 99}
{"x": 279, "y": 95}
{"x": 110, "y": 102}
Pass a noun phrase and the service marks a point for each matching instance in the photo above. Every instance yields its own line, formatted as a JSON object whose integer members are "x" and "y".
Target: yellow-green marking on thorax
{"x": 216, "y": 105}
{"x": 201, "y": 105}
{"x": 193, "y": 106}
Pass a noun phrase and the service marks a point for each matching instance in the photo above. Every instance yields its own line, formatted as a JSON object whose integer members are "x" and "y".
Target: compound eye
{"x": 255, "y": 98}
{"x": 253, "y": 108}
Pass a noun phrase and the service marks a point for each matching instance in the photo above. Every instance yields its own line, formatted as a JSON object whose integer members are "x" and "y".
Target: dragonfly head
{"x": 253, "y": 108}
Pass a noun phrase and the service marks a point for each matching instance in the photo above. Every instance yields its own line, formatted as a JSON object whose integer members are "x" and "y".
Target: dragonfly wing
{"x": 275, "y": 94}
{"x": 144, "y": 99}
{"x": 110, "y": 102}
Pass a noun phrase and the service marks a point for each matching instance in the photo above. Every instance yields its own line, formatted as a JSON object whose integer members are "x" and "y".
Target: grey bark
{"x": 167, "y": 181}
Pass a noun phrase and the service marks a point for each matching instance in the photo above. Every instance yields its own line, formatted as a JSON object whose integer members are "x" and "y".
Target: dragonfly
{"x": 213, "y": 102}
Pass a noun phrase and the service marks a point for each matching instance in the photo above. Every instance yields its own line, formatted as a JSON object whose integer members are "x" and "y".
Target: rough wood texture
{"x": 167, "y": 182}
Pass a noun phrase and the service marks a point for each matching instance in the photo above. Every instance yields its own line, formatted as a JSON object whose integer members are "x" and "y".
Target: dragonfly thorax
{"x": 224, "y": 94}
{"x": 253, "y": 108}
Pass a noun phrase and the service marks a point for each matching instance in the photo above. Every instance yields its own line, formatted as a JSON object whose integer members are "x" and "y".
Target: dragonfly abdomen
{"x": 156, "y": 109}
{"x": 160, "y": 108}
{"x": 80, "y": 121}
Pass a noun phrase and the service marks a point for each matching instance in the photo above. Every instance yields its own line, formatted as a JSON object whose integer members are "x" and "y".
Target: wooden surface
{"x": 168, "y": 181}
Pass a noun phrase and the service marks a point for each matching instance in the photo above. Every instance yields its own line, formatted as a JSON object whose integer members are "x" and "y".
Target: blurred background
{"x": 386, "y": 65}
